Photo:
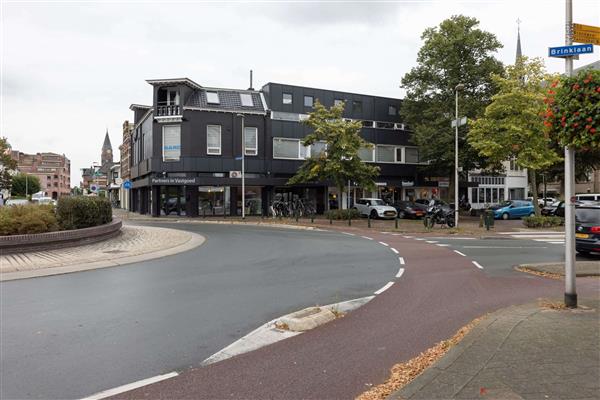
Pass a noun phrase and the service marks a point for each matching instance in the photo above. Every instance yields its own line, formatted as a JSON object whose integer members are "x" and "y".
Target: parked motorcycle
{"x": 438, "y": 214}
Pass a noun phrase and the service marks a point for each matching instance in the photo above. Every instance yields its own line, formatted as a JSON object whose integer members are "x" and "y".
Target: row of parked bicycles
{"x": 294, "y": 208}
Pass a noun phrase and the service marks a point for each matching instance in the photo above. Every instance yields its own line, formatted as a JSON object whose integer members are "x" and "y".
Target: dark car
{"x": 426, "y": 203}
{"x": 408, "y": 209}
{"x": 587, "y": 228}
{"x": 555, "y": 209}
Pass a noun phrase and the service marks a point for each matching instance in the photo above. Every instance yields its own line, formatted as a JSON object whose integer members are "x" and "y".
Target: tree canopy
{"x": 512, "y": 125}
{"x": 20, "y": 187}
{"x": 455, "y": 52}
{"x": 340, "y": 161}
{"x": 7, "y": 165}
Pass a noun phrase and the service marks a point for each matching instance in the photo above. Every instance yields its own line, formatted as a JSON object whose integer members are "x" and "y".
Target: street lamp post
{"x": 570, "y": 291}
{"x": 243, "y": 168}
{"x": 458, "y": 88}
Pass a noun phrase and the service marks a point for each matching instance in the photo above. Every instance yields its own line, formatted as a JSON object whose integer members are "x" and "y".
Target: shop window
{"x": 251, "y": 141}
{"x": 171, "y": 142}
{"x": 385, "y": 154}
{"x": 213, "y": 139}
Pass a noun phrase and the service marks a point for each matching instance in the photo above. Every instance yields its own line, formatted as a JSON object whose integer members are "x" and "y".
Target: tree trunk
{"x": 534, "y": 190}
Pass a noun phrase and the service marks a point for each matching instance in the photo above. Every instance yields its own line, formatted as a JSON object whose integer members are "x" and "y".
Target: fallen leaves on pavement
{"x": 539, "y": 273}
{"x": 402, "y": 374}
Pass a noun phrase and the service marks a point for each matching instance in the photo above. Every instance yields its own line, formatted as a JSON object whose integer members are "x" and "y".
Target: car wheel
{"x": 373, "y": 214}
{"x": 505, "y": 216}
{"x": 401, "y": 215}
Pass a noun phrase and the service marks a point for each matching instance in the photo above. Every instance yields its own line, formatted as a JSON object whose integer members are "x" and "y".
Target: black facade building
{"x": 187, "y": 146}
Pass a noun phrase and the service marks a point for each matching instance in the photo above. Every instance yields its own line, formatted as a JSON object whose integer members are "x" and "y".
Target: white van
{"x": 587, "y": 197}
{"x": 44, "y": 200}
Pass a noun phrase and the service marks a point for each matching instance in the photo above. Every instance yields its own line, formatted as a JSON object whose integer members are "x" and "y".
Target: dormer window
{"x": 168, "y": 102}
{"x": 246, "y": 100}
{"x": 212, "y": 98}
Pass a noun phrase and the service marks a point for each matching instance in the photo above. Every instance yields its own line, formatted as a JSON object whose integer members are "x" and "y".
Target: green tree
{"x": 455, "y": 52}
{"x": 512, "y": 126}
{"x": 340, "y": 162}
{"x": 7, "y": 165}
{"x": 20, "y": 186}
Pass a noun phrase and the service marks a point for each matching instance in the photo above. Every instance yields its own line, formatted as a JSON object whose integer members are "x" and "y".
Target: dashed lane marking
{"x": 385, "y": 287}
{"x": 385, "y": 244}
{"x": 400, "y": 272}
{"x": 442, "y": 245}
{"x": 459, "y": 253}
{"x": 475, "y": 263}
{"x": 401, "y": 260}
{"x": 131, "y": 386}
{"x": 348, "y": 233}
{"x": 394, "y": 250}
{"x": 431, "y": 241}
{"x": 419, "y": 239}
{"x": 366, "y": 237}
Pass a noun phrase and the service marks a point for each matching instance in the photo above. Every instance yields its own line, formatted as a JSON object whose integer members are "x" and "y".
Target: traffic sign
{"x": 568, "y": 51}
{"x": 127, "y": 185}
{"x": 462, "y": 121}
{"x": 586, "y": 34}
{"x": 93, "y": 188}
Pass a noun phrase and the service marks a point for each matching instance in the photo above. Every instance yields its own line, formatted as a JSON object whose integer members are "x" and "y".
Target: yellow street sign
{"x": 586, "y": 34}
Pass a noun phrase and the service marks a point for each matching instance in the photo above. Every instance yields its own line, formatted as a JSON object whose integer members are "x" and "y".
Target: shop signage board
{"x": 586, "y": 34}
{"x": 567, "y": 51}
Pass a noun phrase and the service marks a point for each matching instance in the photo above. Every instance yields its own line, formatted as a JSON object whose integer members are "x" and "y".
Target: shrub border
{"x": 59, "y": 239}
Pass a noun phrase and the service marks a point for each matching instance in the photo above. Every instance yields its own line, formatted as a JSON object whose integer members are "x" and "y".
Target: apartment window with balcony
{"x": 308, "y": 101}
{"x": 250, "y": 141}
{"x": 168, "y": 102}
{"x": 287, "y": 98}
{"x": 213, "y": 140}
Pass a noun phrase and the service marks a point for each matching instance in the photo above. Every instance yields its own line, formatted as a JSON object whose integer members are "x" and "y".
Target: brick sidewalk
{"x": 132, "y": 241}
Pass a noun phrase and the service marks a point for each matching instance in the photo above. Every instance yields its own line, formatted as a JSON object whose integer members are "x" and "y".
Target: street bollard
{"x": 369, "y": 220}
{"x": 312, "y": 218}
{"x": 204, "y": 213}
{"x": 349, "y": 219}
{"x": 297, "y": 214}
{"x": 330, "y": 218}
{"x": 481, "y": 220}
{"x": 396, "y": 222}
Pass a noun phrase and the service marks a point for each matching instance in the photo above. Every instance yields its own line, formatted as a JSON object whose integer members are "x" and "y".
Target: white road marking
{"x": 348, "y": 233}
{"x": 397, "y": 234}
{"x": 454, "y": 238}
{"x": 442, "y": 245}
{"x": 408, "y": 237}
{"x": 366, "y": 237}
{"x": 431, "y": 241}
{"x": 394, "y": 250}
{"x": 401, "y": 260}
{"x": 458, "y": 252}
{"x": 384, "y": 288}
{"x": 385, "y": 244}
{"x": 557, "y": 242}
{"x": 475, "y": 263}
{"x": 386, "y": 233}
{"x": 530, "y": 233}
{"x": 504, "y": 247}
{"x": 419, "y": 239}
{"x": 130, "y": 386}
{"x": 400, "y": 272}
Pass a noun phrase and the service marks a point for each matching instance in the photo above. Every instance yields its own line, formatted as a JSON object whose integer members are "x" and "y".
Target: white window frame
{"x": 377, "y": 154}
{"x": 251, "y": 151}
{"x": 163, "y": 144}
{"x": 213, "y": 148}
{"x": 299, "y": 153}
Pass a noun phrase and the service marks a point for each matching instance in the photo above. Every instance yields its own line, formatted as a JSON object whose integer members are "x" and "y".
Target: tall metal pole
{"x": 243, "y": 170}
{"x": 458, "y": 87}
{"x": 570, "y": 291}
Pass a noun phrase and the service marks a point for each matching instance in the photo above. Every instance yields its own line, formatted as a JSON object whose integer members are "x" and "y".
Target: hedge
{"x": 76, "y": 212}
{"x": 27, "y": 219}
{"x": 543, "y": 221}
{"x": 342, "y": 214}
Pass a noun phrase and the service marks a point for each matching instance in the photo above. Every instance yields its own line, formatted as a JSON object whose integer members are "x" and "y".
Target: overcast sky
{"x": 70, "y": 69}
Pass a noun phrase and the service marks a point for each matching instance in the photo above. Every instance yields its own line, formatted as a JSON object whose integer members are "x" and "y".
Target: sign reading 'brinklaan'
{"x": 565, "y": 51}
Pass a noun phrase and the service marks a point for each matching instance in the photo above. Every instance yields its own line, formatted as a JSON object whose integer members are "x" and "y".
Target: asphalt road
{"x": 439, "y": 292}
{"x": 69, "y": 336}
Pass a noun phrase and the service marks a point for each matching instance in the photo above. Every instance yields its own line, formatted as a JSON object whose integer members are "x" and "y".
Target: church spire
{"x": 106, "y": 157}
{"x": 106, "y": 144}
{"x": 519, "y": 53}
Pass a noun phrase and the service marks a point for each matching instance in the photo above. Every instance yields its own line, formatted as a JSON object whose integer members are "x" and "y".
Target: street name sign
{"x": 586, "y": 34}
{"x": 462, "y": 121}
{"x": 568, "y": 51}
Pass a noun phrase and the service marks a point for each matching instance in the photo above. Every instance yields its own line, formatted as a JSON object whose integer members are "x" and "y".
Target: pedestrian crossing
{"x": 551, "y": 237}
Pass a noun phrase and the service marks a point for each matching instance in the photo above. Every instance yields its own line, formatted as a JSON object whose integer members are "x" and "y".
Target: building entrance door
{"x": 172, "y": 200}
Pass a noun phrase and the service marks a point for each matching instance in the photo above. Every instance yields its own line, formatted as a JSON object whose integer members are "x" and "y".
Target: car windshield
{"x": 587, "y": 215}
{"x": 377, "y": 202}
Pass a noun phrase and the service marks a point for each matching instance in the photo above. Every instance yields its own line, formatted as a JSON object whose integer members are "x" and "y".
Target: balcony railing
{"x": 165, "y": 110}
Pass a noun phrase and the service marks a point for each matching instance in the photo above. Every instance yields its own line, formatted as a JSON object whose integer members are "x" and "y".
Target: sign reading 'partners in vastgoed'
{"x": 586, "y": 34}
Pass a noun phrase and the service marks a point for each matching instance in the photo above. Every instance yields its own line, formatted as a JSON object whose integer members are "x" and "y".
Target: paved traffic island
{"x": 132, "y": 244}
{"x": 557, "y": 270}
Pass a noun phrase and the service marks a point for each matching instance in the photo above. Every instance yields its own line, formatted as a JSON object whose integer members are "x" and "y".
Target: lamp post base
{"x": 571, "y": 300}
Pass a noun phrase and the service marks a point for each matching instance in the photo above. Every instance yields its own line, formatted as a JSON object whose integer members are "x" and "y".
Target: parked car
{"x": 408, "y": 209}
{"x": 426, "y": 203}
{"x": 587, "y": 197}
{"x": 587, "y": 228}
{"x": 44, "y": 200}
{"x": 376, "y": 208}
{"x": 555, "y": 209}
{"x": 16, "y": 202}
{"x": 513, "y": 209}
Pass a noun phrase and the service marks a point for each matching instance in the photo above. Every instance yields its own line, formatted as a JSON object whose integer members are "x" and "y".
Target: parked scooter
{"x": 438, "y": 214}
